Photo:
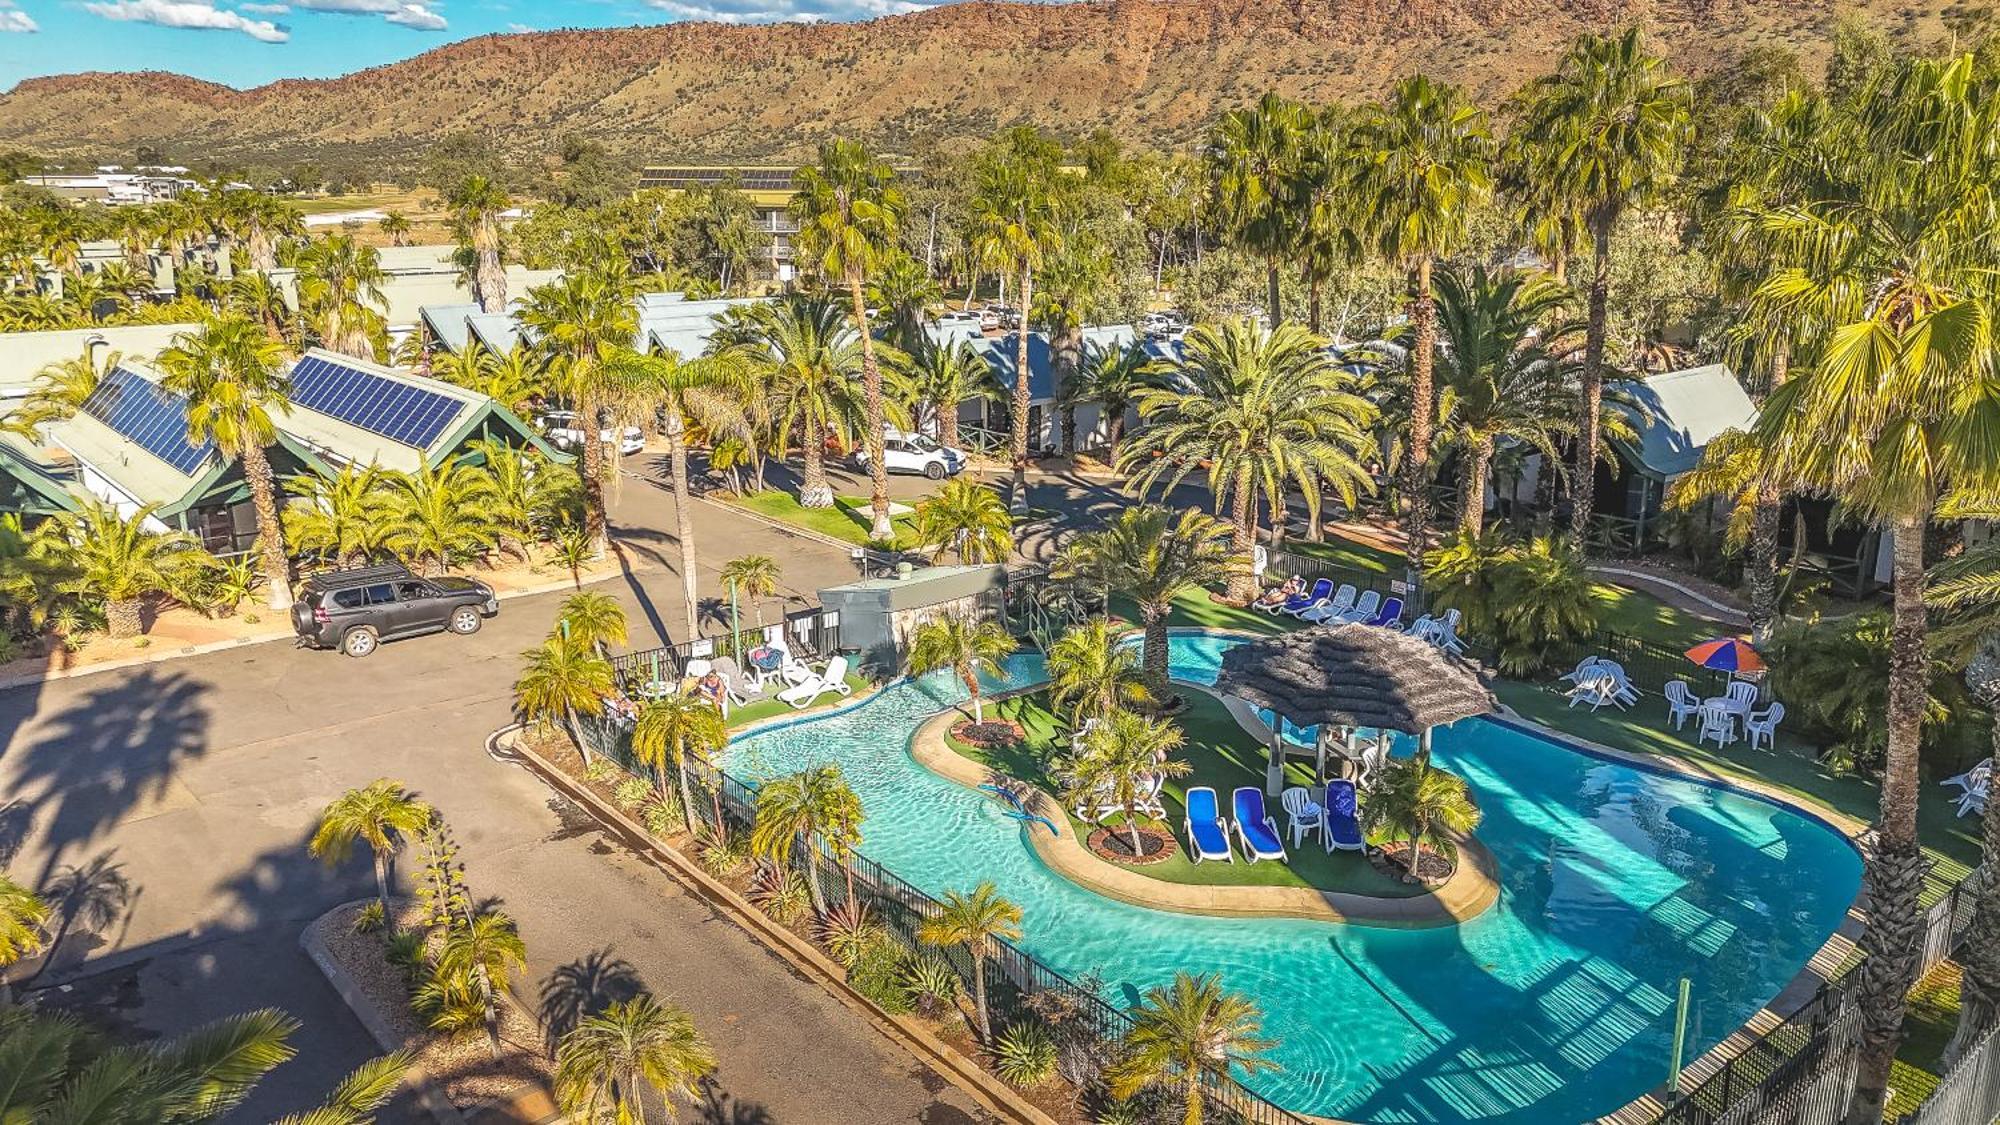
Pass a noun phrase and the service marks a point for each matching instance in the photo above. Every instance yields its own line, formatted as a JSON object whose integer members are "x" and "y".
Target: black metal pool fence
{"x": 812, "y": 633}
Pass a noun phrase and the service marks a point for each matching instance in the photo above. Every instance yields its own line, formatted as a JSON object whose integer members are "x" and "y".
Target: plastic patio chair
{"x": 1306, "y": 815}
{"x": 1682, "y": 703}
{"x": 1762, "y": 726}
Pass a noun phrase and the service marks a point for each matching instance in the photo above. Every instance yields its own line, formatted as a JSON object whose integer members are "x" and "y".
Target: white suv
{"x": 563, "y": 431}
{"x": 914, "y": 453}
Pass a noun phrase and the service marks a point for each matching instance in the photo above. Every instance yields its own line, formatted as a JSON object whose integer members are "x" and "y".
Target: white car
{"x": 562, "y": 430}
{"x": 914, "y": 453}
{"x": 966, "y": 320}
{"x": 989, "y": 320}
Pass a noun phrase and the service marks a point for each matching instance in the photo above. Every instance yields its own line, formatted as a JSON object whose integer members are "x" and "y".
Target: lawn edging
{"x": 805, "y": 958}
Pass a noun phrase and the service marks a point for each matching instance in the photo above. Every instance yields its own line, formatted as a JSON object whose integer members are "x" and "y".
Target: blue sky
{"x": 249, "y": 42}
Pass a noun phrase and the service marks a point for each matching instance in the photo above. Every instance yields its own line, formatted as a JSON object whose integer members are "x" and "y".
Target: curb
{"x": 777, "y": 525}
{"x": 803, "y": 957}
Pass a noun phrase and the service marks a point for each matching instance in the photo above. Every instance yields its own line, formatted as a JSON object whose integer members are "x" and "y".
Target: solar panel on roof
{"x": 153, "y": 419}
{"x": 403, "y": 413}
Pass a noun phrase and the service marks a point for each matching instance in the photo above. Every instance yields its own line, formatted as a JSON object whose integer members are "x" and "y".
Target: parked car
{"x": 968, "y": 321}
{"x": 989, "y": 320}
{"x": 1010, "y": 318}
{"x": 562, "y": 429}
{"x": 914, "y": 453}
{"x": 357, "y": 608}
{"x": 1161, "y": 325}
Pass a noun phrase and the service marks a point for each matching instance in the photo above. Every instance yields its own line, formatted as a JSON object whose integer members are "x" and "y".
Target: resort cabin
{"x": 420, "y": 276}
{"x": 666, "y": 322}
{"x": 1044, "y": 419}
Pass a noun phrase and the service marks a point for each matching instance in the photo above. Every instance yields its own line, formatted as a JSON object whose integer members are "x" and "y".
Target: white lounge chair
{"x": 1623, "y": 692}
{"x": 1762, "y": 726}
{"x": 1329, "y": 608}
{"x": 1581, "y": 671}
{"x": 1425, "y": 629}
{"x": 1977, "y": 774}
{"x": 1448, "y": 638}
{"x": 1974, "y": 800}
{"x": 1363, "y": 609}
{"x": 1306, "y": 816}
{"x": 834, "y": 679}
{"x": 1682, "y": 704}
{"x": 1598, "y": 693}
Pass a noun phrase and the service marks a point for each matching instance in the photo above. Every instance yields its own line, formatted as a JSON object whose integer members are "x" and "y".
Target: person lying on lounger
{"x": 1276, "y": 595}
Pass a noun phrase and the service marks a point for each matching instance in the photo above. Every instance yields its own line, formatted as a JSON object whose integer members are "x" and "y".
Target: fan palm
{"x": 1017, "y": 202}
{"x": 1260, "y": 411}
{"x": 1092, "y": 674}
{"x": 968, "y": 647}
{"x": 476, "y": 204}
{"x": 1427, "y": 807}
{"x": 122, "y": 560}
{"x": 672, "y": 731}
{"x": 1183, "y": 1034}
{"x": 396, "y": 225}
{"x": 1073, "y": 281}
{"x": 340, "y": 294}
{"x": 1111, "y": 378}
{"x": 562, "y": 678}
{"x": 595, "y": 619}
{"x": 584, "y": 325}
{"x": 805, "y": 355}
{"x": 381, "y": 814}
{"x": 1254, "y": 157}
{"x": 230, "y": 371}
{"x": 485, "y": 951}
{"x": 966, "y": 517}
{"x": 607, "y": 1059}
{"x": 978, "y": 922}
{"x": 23, "y": 913}
{"x": 807, "y": 810}
{"x": 1153, "y": 559}
{"x": 942, "y": 377}
{"x": 1608, "y": 126}
{"x": 1121, "y": 755}
{"x": 438, "y": 514}
{"x": 256, "y": 296}
{"x": 66, "y": 1073}
{"x": 904, "y": 287}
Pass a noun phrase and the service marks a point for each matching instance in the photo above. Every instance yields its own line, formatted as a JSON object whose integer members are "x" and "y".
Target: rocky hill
{"x": 1151, "y": 70}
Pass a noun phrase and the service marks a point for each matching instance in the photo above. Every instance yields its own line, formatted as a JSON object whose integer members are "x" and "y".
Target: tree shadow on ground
{"x": 583, "y": 988}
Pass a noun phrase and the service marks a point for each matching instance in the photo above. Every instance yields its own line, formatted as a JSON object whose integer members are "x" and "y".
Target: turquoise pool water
{"x": 1554, "y": 1006}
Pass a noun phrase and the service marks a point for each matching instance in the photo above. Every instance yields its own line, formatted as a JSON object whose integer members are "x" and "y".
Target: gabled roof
{"x": 24, "y": 354}
{"x": 447, "y": 324}
{"x": 1678, "y": 414}
{"x": 354, "y": 411}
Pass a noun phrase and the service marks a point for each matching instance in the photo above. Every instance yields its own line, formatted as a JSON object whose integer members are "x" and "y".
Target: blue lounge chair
{"x": 1299, "y": 603}
{"x": 1343, "y": 830}
{"x": 1391, "y": 616}
{"x": 1255, "y": 829}
{"x": 1207, "y": 837}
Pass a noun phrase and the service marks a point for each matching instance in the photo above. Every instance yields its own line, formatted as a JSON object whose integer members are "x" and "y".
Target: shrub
{"x": 448, "y": 1003}
{"x": 631, "y": 793}
{"x": 371, "y": 918}
{"x": 602, "y": 769}
{"x": 878, "y": 975}
{"x": 1025, "y": 1055}
{"x": 405, "y": 950}
{"x": 781, "y": 893}
{"x": 1530, "y": 600}
{"x": 661, "y": 816}
{"x": 1834, "y": 676}
{"x": 850, "y": 934}
{"x": 721, "y": 857}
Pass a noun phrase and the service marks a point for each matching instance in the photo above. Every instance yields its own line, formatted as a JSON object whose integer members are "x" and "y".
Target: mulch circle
{"x": 1392, "y": 860}
{"x": 1115, "y": 844}
{"x": 993, "y": 734}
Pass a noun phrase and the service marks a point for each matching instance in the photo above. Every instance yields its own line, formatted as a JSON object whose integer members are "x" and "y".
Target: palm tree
{"x": 1263, "y": 410}
{"x": 1609, "y": 125}
{"x": 364, "y": 1091}
{"x": 944, "y": 377}
{"x": 1111, "y": 378}
{"x": 1503, "y": 372}
{"x": 123, "y": 561}
{"x": 563, "y": 677}
{"x": 848, "y": 207}
{"x": 967, "y": 646}
{"x": 1734, "y": 469}
{"x": 65, "y": 1072}
{"x": 1153, "y": 559}
{"x": 583, "y": 325}
{"x": 382, "y": 814}
{"x": 61, "y": 388}
{"x": 1121, "y": 754}
{"x": 396, "y": 225}
{"x": 1073, "y": 280}
{"x": 439, "y": 513}
{"x": 810, "y": 809}
{"x": 1428, "y": 807}
{"x": 1253, "y": 160}
{"x": 476, "y": 204}
{"x": 1426, "y": 170}
{"x": 23, "y": 913}
{"x": 673, "y": 730}
{"x": 904, "y": 287}
{"x": 569, "y": 546}
{"x": 968, "y": 518}
{"x": 485, "y": 951}
{"x": 1092, "y": 674}
{"x": 1018, "y": 198}
{"x": 338, "y": 517}
{"x": 256, "y": 296}
{"x": 340, "y": 292}
{"x": 1888, "y": 420}
{"x": 607, "y": 1059}
{"x": 230, "y": 371}
{"x": 976, "y": 921}
{"x": 805, "y": 355}
{"x": 754, "y": 577}
{"x": 595, "y": 619}
{"x": 1183, "y": 1034}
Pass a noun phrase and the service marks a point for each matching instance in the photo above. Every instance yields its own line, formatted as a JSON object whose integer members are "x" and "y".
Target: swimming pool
{"x": 1554, "y": 1006}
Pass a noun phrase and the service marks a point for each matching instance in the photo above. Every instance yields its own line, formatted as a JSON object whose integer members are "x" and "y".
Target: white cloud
{"x": 417, "y": 16}
{"x": 519, "y": 28}
{"x": 783, "y": 11}
{"x": 266, "y": 9}
{"x": 13, "y": 20}
{"x": 198, "y": 15}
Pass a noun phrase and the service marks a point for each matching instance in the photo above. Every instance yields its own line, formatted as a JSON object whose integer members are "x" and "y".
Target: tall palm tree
{"x": 65, "y": 1072}
{"x": 967, "y": 518}
{"x": 1892, "y": 419}
{"x": 1072, "y": 283}
{"x": 1609, "y": 126}
{"x": 1017, "y": 202}
{"x": 848, "y": 208}
{"x": 1152, "y": 558}
{"x": 486, "y": 952}
{"x": 1503, "y": 372}
{"x": 23, "y": 913}
{"x": 1121, "y": 754}
{"x": 1426, "y": 170}
{"x": 562, "y": 678}
{"x": 805, "y": 354}
{"x": 396, "y": 225}
{"x": 1092, "y": 674}
{"x": 381, "y": 814}
{"x": 807, "y": 810}
{"x": 584, "y": 326}
{"x": 1111, "y": 379}
{"x": 1261, "y": 411}
{"x": 230, "y": 371}
{"x": 340, "y": 295}
{"x": 1253, "y": 161}
{"x": 607, "y": 1060}
{"x": 904, "y": 287}
{"x": 1328, "y": 208}
{"x": 438, "y": 514}
{"x": 968, "y": 647}
{"x": 339, "y": 516}
{"x": 123, "y": 561}
{"x": 595, "y": 619}
{"x": 672, "y": 731}
{"x": 942, "y": 377}
{"x": 755, "y": 577}
{"x": 978, "y": 922}
{"x": 1183, "y": 1034}
{"x": 256, "y": 296}
{"x": 476, "y": 204}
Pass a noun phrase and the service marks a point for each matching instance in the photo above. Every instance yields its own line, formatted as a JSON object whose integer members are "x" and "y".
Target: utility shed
{"x": 877, "y": 615}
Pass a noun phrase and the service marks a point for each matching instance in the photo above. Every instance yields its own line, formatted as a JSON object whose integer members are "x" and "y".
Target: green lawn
{"x": 1223, "y": 757}
{"x": 758, "y": 710}
{"x": 1342, "y": 551}
{"x": 1932, "y": 1019}
{"x": 832, "y": 522}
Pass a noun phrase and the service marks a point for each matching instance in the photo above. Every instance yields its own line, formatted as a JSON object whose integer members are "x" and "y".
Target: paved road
{"x": 198, "y": 781}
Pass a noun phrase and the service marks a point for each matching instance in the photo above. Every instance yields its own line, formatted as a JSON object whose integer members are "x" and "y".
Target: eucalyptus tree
{"x": 1426, "y": 167}
{"x": 1253, "y": 159}
{"x": 848, "y": 209}
{"x": 1017, "y": 205}
{"x": 1608, "y": 126}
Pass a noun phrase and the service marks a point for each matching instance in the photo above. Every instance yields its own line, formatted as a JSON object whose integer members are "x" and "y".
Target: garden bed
{"x": 991, "y": 734}
{"x": 1115, "y": 844}
{"x": 1392, "y": 859}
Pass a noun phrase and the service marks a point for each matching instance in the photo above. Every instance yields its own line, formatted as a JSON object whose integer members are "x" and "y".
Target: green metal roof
{"x": 1677, "y": 414}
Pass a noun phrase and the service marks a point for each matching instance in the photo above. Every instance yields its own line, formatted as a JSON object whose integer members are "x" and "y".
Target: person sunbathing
{"x": 1277, "y": 595}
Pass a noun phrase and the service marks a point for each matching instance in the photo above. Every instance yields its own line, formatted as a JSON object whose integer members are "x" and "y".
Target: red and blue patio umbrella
{"x": 1727, "y": 654}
